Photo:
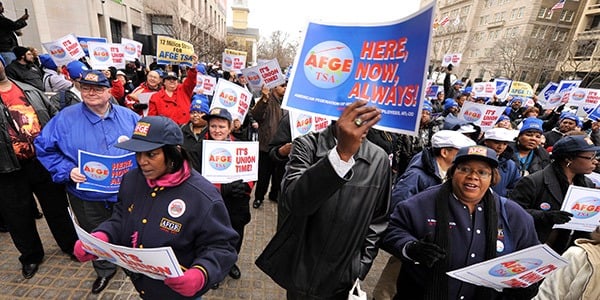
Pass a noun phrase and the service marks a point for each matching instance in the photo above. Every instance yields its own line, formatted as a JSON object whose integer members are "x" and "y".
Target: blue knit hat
{"x": 449, "y": 103}
{"x": 199, "y": 103}
{"x": 532, "y": 123}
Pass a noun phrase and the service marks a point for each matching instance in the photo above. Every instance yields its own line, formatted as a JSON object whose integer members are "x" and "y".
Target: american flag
{"x": 560, "y": 4}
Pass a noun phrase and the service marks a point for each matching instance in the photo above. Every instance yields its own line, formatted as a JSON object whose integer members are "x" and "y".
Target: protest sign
{"x": 482, "y": 115}
{"x": 520, "y": 89}
{"x": 64, "y": 50}
{"x": 451, "y": 58}
{"x": 233, "y": 60}
{"x": 83, "y": 42}
{"x": 502, "y": 88}
{"x": 132, "y": 49}
{"x": 515, "y": 270}
{"x": 205, "y": 83}
{"x": 105, "y": 55}
{"x": 548, "y": 98}
{"x": 384, "y": 64}
{"x": 233, "y": 98}
{"x": 227, "y": 161}
{"x": 144, "y": 98}
{"x": 584, "y": 204}
{"x": 173, "y": 51}
{"x": 484, "y": 89}
{"x": 595, "y": 178}
{"x": 302, "y": 123}
{"x": 156, "y": 263}
{"x": 567, "y": 85}
{"x": 103, "y": 173}
{"x": 268, "y": 74}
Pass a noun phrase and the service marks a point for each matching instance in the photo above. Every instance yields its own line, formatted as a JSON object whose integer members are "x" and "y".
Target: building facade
{"x": 200, "y": 22}
{"x": 521, "y": 40}
{"x": 239, "y": 35}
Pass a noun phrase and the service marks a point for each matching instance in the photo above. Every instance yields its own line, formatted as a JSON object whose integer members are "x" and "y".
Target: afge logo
{"x": 57, "y": 51}
{"x": 472, "y": 114}
{"x": 228, "y": 97}
{"x": 514, "y": 267}
{"x": 328, "y": 64}
{"x": 220, "y": 159}
{"x": 95, "y": 170}
{"x": 303, "y": 123}
{"x": 585, "y": 208}
{"x": 101, "y": 54}
{"x": 227, "y": 61}
{"x": 253, "y": 78}
{"x": 554, "y": 98}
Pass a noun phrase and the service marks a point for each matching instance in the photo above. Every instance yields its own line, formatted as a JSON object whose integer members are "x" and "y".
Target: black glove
{"x": 140, "y": 106}
{"x": 560, "y": 108}
{"x": 137, "y": 63}
{"x": 557, "y": 216}
{"x": 520, "y": 293}
{"x": 113, "y": 72}
{"x": 425, "y": 251}
{"x": 240, "y": 190}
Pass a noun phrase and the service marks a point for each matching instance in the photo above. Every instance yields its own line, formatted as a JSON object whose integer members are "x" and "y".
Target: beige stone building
{"x": 200, "y": 22}
{"x": 522, "y": 40}
{"x": 239, "y": 35}
{"x": 584, "y": 59}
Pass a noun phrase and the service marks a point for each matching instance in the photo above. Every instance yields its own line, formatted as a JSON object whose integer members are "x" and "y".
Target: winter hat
{"x": 532, "y": 123}
{"x": 20, "y": 51}
{"x": 199, "y": 103}
{"x": 449, "y": 103}
{"x": 47, "y": 62}
{"x": 76, "y": 69}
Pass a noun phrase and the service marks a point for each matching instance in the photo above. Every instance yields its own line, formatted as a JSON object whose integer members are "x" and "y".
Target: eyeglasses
{"x": 196, "y": 113}
{"x": 593, "y": 157}
{"x": 89, "y": 88}
{"x": 483, "y": 174}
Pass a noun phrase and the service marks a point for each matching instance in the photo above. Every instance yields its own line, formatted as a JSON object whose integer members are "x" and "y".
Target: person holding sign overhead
{"x": 94, "y": 126}
{"x": 542, "y": 193}
{"x": 333, "y": 209}
{"x": 165, "y": 202}
{"x": 456, "y": 224}
{"x": 174, "y": 100}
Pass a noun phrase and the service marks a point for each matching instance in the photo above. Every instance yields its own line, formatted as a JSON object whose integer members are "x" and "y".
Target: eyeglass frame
{"x": 592, "y": 158}
{"x": 96, "y": 88}
{"x": 468, "y": 171}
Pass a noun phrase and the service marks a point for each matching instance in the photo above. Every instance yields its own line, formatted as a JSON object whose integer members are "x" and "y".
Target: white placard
{"x": 206, "y": 83}
{"x": 302, "y": 122}
{"x": 132, "y": 49}
{"x": 64, "y": 50}
{"x": 157, "y": 263}
{"x": 584, "y": 204}
{"x": 268, "y": 74}
{"x": 515, "y": 270}
{"x": 144, "y": 98}
{"x": 232, "y": 97}
{"x": 484, "y": 89}
{"x": 228, "y": 161}
{"x": 484, "y": 116}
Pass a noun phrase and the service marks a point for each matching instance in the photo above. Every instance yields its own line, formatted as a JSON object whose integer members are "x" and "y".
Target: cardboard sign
{"x": 302, "y": 123}
{"x": 132, "y": 49}
{"x": 205, "y": 83}
{"x": 103, "y": 173}
{"x": 502, "y": 88}
{"x": 548, "y": 98}
{"x": 233, "y": 60}
{"x": 268, "y": 74}
{"x": 64, "y": 50}
{"x": 233, "y": 98}
{"x": 84, "y": 40}
{"x": 521, "y": 89}
{"x": 484, "y": 89}
{"x": 482, "y": 115}
{"x": 451, "y": 58}
{"x": 584, "y": 204}
{"x": 228, "y": 161}
{"x": 173, "y": 51}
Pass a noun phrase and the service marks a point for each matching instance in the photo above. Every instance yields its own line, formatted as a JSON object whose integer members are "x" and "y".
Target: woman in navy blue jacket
{"x": 165, "y": 202}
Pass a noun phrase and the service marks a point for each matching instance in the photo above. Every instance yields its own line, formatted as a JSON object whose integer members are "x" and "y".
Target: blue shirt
{"x": 76, "y": 128}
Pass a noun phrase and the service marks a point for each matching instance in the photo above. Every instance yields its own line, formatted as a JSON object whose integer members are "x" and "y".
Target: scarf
{"x": 437, "y": 286}
{"x": 171, "y": 179}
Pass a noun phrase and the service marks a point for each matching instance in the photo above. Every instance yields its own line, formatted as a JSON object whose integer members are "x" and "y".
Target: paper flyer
{"x": 104, "y": 173}
{"x": 584, "y": 204}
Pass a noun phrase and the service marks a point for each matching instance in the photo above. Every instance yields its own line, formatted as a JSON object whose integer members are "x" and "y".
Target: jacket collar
{"x": 551, "y": 182}
{"x": 93, "y": 117}
{"x": 326, "y": 141}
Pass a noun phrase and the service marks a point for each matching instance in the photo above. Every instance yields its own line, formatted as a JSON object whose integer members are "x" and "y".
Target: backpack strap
{"x": 62, "y": 99}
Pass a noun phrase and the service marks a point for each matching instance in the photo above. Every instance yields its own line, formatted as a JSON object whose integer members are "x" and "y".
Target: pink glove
{"x": 83, "y": 256}
{"x": 189, "y": 284}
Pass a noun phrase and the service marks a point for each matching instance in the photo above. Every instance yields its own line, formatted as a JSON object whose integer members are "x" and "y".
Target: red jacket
{"x": 176, "y": 107}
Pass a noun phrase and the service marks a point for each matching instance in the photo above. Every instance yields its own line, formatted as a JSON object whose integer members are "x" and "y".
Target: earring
{"x": 568, "y": 164}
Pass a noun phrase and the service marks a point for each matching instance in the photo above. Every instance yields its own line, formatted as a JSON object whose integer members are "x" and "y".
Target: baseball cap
{"x": 170, "y": 75}
{"x": 502, "y": 117}
{"x": 94, "y": 77}
{"x": 467, "y": 128}
{"x": 572, "y": 144}
{"x": 459, "y": 82}
{"x": 499, "y": 134}
{"x": 449, "y": 103}
{"x": 218, "y": 112}
{"x": 119, "y": 72}
{"x": 450, "y": 139}
{"x": 76, "y": 69}
{"x": 532, "y": 123}
{"x": 151, "y": 133}
{"x": 476, "y": 153}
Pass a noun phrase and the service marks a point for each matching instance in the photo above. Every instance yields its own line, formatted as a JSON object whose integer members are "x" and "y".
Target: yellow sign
{"x": 521, "y": 89}
{"x": 172, "y": 51}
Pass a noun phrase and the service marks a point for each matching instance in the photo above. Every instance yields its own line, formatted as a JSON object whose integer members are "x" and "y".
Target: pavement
{"x": 61, "y": 278}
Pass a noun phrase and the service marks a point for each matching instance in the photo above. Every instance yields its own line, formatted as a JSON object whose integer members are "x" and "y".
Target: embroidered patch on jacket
{"x": 176, "y": 208}
{"x": 170, "y": 225}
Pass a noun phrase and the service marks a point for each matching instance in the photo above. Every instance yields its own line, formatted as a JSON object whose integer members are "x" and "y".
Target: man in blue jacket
{"x": 95, "y": 126}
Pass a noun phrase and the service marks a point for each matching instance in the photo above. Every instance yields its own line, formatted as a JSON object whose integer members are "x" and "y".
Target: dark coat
{"x": 540, "y": 192}
{"x": 8, "y": 39}
{"x": 540, "y": 159}
{"x": 28, "y": 73}
{"x": 331, "y": 225}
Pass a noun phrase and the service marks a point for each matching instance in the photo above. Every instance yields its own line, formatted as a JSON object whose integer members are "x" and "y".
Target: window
{"x": 529, "y": 52}
{"x": 520, "y": 14}
{"x": 116, "y": 30}
{"x": 465, "y": 10}
{"x": 523, "y": 76}
{"x": 535, "y": 33}
{"x": 542, "y": 13}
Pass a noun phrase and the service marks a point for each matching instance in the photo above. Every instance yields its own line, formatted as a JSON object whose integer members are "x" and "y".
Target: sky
{"x": 291, "y": 16}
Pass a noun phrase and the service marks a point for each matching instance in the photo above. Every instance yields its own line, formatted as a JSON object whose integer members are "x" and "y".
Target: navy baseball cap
{"x": 218, "y": 112}
{"x": 94, "y": 77}
{"x": 477, "y": 153}
{"x": 170, "y": 75}
{"x": 151, "y": 133}
{"x": 572, "y": 144}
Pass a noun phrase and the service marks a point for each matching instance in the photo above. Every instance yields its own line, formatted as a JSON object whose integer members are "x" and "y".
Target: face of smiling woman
{"x": 470, "y": 181}
{"x": 153, "y": 163}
